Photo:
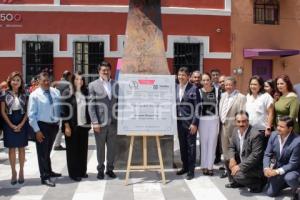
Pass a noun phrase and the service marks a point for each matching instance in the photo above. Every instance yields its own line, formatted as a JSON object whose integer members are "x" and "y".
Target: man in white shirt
{"x": 282, "y": 159}
{"x": 231, "y": 102}
{"x": 245, "y": 155}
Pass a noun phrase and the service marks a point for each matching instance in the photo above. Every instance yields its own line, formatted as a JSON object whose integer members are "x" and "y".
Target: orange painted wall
{"x": 246, "y": 34}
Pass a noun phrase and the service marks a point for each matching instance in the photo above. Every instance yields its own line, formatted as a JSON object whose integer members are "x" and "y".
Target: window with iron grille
{"x": 37, "y": 57}
{"x": 88, "y": 55}
{"x": 186, "y": 55}
{"x": 266, "y": 12}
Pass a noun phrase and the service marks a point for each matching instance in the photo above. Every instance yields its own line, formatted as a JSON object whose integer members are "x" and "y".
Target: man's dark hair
{"x": 288, "y": 120}
{"x": 42, "y": 75}
{"x": 104, "y": 64}
{"x": 185, "y": 70}
{"x": 215, "y": 70}
{"x": 242, "y": 112}
{"x": 66, "y": 74}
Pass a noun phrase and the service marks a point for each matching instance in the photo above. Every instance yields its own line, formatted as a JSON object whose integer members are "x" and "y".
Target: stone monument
{"x": 144, "y": 53}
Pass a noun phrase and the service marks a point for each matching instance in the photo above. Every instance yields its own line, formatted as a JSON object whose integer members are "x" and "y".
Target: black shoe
{"x": 256, "y": 189}
{"x": 85, "y": 176}
{"x": 221, "y": 168}
{"x": 21, "y": 181}
{"x": 53, "y": 174}
{"x": 111, "y": 174}
{"x": 48, "y": 182}
{"x": 59, "y": 148}
{"x": 295, "y": 196}
{"x": 181, "y": 172}
{"x": 224, "y": 175}
{"x": 77, "y": 179}
{"x": 190, "y": 176}
{"x": 217, "y": 160}
{"x": 13, "y": 182}
{"x": 233, "y": 185}
{"x": 100, "y": 175}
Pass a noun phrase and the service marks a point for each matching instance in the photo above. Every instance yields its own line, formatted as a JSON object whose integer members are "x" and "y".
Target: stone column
{"x": 144, "y": 53}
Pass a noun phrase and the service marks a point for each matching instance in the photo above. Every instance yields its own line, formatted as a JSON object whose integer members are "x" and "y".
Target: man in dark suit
{"x": 187, "y": 98}
{"x": 282, "y": 159}
{"x": 246, "y": 152}
{"x": 102, "y": 111}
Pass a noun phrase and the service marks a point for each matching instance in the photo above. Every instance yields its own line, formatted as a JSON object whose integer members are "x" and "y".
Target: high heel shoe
{"x": 205, "y": 171}
{"x": 13, "y": 182}
{"x": 21, "y": 181}
{"x": 14, "y": 179}
{"x": 21, "y": 178}
{"x": 210, "y": 172}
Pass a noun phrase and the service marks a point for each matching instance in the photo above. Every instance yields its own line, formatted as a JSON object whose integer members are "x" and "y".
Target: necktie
{"x": 47, "y": 93}
{"x": 225, "y": 109}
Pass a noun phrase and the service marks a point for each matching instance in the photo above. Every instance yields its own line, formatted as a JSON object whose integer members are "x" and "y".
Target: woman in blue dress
{"x": 13, "y": 110}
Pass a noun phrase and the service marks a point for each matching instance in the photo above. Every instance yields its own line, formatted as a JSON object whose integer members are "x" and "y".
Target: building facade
{"x": 265, "y": 39}
{"x": 77, "y": 34}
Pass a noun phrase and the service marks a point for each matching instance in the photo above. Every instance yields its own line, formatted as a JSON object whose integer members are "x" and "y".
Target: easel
{"x": 145, "y": 165}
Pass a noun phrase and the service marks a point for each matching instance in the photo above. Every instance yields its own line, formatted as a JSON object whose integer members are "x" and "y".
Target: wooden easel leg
{"x": 129, "y": 160}
{"x": 162, "y": 171}
{"x": 145, "y": 156}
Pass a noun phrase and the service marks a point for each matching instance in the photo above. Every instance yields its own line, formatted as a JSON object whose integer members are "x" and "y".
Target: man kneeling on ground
{"x": 246, "y": 152}
{"x": 282, "y": 159}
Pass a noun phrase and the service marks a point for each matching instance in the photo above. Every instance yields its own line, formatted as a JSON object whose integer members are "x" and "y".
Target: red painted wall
{"x": 28, "y": 1}
{"x": 97, "y": 23}
{"x": 174, "y": 3}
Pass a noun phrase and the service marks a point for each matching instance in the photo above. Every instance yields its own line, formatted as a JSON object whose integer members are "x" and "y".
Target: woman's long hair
{"x": 288, "y": 82}
{"x": 14, "y": 74}
{"x": 83, "y": 87}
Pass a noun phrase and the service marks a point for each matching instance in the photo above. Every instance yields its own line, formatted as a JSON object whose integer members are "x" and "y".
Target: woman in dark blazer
{"x": 76, "y": 124}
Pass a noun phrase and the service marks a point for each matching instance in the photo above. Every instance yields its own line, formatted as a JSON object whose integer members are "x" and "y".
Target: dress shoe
{"x": 53, "y": 174}
{"x": 85, "y": 176}
{"x": 100, "y": 175}
{"x": 233, "y": 185}
{"x": 181, "y": 172}
{"x": 217, "y": 160}
{"x": 224, "y": 175}
{"x": 190, "y": 176}
{"x": 258, "y": 189}
{"x": 295, "y": 196}
{"x": 48, "y": 182}
{"x": 59, "y": 148}
{"x": 77, "y": 179}
{"x": 111, "y": 174}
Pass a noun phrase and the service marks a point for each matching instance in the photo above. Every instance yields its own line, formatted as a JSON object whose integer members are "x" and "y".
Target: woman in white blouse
{"x": 260, "y": 106}
{"x": 76, "y": 127}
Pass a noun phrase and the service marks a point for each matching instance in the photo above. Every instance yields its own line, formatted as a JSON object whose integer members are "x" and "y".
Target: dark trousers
{"x": 77, "y": 151}
{"x": 44, "y": 148}
{"x": 248, "y": 180}
{"x": 278, "y": 183}
{"x": 187, "y": 144}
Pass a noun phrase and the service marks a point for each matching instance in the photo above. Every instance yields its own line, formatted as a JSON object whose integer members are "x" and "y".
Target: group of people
{"x": 257, "y": 132}
{"x": 69, "y": 105}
